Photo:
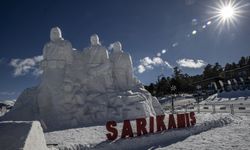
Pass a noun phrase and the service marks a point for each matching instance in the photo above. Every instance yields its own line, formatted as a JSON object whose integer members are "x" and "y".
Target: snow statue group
{"x": 82, "y": 88}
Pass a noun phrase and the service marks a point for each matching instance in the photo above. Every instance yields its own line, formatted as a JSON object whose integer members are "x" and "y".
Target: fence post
{"x": 213, "y": 107}
{"x": 232, "y": 109}
{"x": 198, "y": 108}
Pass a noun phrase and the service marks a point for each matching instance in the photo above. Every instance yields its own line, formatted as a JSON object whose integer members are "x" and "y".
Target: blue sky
{"x": 144, "y": 27}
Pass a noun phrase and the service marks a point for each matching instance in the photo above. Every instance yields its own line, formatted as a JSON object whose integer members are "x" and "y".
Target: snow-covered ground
{"x": 233, "y": 136}
{"x": 232, "y": 97}
{"x": 95, "y": 137}
{"x": 225, "y": 102}
{"x": 179, "y": 100}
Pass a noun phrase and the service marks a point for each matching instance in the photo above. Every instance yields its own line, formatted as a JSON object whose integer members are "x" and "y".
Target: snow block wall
{"x": 82, "y": 88}
{"x": 22, "y": 135}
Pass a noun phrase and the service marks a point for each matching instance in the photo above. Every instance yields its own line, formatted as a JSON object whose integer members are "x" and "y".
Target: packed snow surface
{"x": 233, "y": 136}
{"x": 95, "y": 137}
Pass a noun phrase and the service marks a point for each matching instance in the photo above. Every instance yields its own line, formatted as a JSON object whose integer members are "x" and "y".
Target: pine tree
{"x": 242, "y": 61}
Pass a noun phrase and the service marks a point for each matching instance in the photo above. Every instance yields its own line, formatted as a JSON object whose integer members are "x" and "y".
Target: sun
{"x": 226, "y": 12}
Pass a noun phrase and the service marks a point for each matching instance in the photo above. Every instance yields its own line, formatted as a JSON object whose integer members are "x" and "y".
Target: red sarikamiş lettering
{"x": 142, "y": 127}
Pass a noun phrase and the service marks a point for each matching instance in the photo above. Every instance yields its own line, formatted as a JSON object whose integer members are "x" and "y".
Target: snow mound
{"x": 22, "y": 135}
{"x": 229, "y": 97}
{"x": 5, "y": 106}
{"x": 234, "y": 94}
{"x": 76, "y": 138}
{"x": 8, "y": 102}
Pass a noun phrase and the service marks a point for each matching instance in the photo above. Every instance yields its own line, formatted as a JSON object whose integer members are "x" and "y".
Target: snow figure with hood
{"x": 57, "y": 54}
{"x": 98, "y": 67}
{"x": 122, "y": 68}
{"x": 58, "y": 51}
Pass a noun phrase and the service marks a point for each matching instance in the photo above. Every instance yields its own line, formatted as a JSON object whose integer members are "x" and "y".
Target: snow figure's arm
{"x": 45, "y": 49}
{"x": 69, "y": 56}
{"x": 43, "y": 63}
{"x": 130, "y": 73}
{"x": 68, "y": 45}
{"x": 100, "y": 69}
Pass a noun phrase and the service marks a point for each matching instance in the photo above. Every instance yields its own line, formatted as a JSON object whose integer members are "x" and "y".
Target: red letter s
{"x": 110, "y": 127}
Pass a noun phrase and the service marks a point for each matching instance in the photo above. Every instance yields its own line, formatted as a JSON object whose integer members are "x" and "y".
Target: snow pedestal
{"x": 84, "y": 88}
{"x": 22, "y": 135}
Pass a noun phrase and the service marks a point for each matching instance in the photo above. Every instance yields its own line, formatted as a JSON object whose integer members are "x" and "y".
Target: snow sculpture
{"x": 57, "y": 56}
{"x": 80, "y": 88}
{"x": 98, "y": 66}
{"x": 58, "y": 51}
{"x": 122, "y": 68}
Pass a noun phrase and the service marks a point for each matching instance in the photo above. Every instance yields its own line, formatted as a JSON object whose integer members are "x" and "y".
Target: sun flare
{"x": 227, "y": 12}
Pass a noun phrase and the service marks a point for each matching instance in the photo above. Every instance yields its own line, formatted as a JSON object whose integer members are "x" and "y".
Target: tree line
{"x": 186, "y": 84}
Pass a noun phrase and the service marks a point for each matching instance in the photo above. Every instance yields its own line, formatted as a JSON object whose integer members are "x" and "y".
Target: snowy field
{"x": 233, "y": 136}
{"x": 94, "y": 137}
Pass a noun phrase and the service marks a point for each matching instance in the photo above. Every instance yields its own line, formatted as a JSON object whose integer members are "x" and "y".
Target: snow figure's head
{"x": 55, "y": 34}
{"x": 117, "y": 47}
{"x": 94, "y": 39}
